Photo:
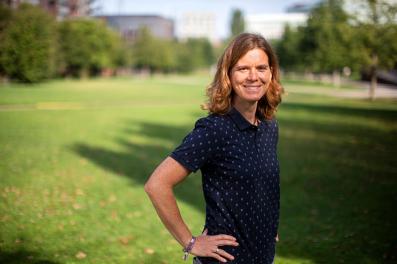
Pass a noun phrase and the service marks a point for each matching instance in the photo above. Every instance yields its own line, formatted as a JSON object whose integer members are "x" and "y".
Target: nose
{"x": 252, "y": 75}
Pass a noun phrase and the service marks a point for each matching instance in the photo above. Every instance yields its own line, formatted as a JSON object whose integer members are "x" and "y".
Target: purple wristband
{"x": 188, "y": 248}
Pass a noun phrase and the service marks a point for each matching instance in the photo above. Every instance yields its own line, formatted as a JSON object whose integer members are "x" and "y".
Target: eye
{"x": 243, "y": 69}
{"x": 263, "y": 68}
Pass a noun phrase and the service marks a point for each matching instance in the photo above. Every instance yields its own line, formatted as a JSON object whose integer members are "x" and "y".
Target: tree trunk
{"x": 336, "y": 78}
{"x": 373, "y": 76}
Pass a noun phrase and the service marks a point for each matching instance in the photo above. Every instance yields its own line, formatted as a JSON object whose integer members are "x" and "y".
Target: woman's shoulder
{"x": 271, "y": 123}
{"x": 212, "y": 120}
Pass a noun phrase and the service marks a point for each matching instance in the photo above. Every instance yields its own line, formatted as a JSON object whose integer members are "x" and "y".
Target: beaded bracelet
{"x": 188, "y": 248}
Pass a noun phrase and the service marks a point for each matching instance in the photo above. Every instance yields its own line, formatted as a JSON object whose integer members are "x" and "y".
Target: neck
{"x": 247, "y": 109}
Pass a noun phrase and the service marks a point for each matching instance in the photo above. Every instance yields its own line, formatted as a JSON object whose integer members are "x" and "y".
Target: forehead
{"x": 256, "y": 56}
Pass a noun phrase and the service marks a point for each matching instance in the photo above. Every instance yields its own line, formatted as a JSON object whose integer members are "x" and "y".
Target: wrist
{"x": 188, "y": 248}
{"x": 185, "y": 241}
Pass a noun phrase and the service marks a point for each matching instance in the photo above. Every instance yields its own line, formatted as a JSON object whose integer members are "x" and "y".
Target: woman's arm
{"x": 159, "y": 187}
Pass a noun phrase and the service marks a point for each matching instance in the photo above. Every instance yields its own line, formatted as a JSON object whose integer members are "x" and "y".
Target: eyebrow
{"x": 246, "y": 66}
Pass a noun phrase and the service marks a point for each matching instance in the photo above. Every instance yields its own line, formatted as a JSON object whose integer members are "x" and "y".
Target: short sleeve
{"x": 198, "y": 146}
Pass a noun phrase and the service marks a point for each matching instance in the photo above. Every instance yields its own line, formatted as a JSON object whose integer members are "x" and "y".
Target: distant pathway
{"x": 362, "y": 91}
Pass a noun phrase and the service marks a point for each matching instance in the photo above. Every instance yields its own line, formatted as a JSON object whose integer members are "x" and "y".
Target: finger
{"x": 205, "y": 232}
{"x": 216, "y": 256}
{"x": 277, "y": 239}
{"x": 224, "y": 237}
{"x": 224, "y": 254}
{"x": 227, "y": 243}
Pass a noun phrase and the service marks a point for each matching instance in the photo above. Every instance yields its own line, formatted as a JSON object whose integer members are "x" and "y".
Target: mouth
{"x": 252, "y": 88}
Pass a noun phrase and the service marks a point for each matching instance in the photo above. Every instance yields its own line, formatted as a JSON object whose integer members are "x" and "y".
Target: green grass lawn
{"x": 74, "y": 156}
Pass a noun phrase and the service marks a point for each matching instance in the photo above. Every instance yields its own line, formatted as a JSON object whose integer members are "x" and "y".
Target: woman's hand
{"x": 207, "y": 246}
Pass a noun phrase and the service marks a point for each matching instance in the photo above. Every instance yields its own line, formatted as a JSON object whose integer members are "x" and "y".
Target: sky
{"x": 175, "y": 8}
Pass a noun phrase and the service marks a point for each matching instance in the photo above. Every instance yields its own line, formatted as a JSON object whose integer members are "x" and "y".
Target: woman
{"x": 235, "y": 149}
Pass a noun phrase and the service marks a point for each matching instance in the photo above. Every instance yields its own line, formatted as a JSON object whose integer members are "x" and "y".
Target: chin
{"x": 253, "y": 98}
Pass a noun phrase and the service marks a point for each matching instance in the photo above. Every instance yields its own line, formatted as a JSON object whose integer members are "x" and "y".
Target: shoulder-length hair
{"x": 220, "y": 91}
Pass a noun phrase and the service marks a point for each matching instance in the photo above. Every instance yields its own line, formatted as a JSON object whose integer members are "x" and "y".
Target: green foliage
{"x": 327, "y": 38}
{"x": 28, "y": 45}
{"x": 87, "y": 47}
{"x": 377, "y": 33}
{"x": 5, "y": 18}
{"x": 167, "y": 56}
{"x": 237, "y": 25}
{"x": 289, "y": 55}
{"x": 332, "y": 39}
{"x": 201, "y": 52}
{"x": 185, "y": 60}
{"x": 35, "y": 47}
{"x": 152, "y": 53}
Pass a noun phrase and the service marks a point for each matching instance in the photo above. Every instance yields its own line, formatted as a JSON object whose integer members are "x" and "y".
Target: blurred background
{"x": 94, "y": 94}
{"x": 320, "y": 40}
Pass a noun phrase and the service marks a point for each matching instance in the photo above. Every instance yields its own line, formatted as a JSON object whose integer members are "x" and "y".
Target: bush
{"x": 28, "y": 45}
{"x": 87, "y": 47}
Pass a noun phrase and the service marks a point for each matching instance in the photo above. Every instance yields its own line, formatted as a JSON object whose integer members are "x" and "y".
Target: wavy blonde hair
{"x": 220, "y": 92}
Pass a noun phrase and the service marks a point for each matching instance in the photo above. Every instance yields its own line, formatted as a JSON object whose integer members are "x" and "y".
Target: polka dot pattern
{"x": 240, "y": 175}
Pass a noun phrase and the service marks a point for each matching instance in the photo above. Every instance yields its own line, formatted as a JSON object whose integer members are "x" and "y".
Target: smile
{"x": 252, "y": 87}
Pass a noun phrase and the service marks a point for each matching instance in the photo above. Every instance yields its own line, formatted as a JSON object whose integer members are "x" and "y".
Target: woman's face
{"x": 251, "y": 76}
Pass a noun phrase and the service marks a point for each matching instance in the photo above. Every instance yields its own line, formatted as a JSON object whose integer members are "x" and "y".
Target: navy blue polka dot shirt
{"x": 240, "y": 175}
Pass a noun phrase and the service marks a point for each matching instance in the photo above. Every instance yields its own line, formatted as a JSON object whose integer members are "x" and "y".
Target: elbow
{"x": 152, "y": 187}
{"x": 148, "y": 187}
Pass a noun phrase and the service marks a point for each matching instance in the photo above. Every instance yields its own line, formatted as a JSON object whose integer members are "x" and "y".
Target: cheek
{"x": 237, "y": 79}
{"x": 265, "y": 76}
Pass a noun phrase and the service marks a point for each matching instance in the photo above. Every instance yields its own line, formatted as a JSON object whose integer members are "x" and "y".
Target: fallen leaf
{"x": 81, "y": 255}
{"x": 149, "y": 251}
{"x": 130, "y": 215}
{"x": 76, "y": 206}
{"x": 102, "y": 204}
{"x": 115, "y": 215}
{"x": 112, "y": 198}
{"x": 137, "y": 214}
{"x": 79, "y": 192}
{"x": 125, "y": 240}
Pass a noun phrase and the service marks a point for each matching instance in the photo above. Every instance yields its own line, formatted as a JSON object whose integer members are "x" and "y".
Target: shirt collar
{"x": 239, "y": 119}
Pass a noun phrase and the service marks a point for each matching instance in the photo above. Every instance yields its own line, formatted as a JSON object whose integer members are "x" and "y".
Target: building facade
{"x": 128, "y": 25}
{"x": 271, "y": 26}
{"x": 198, "y": 25}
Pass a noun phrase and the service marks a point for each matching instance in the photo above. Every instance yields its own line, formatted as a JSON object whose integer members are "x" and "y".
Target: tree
{"x": 5, "y": 18}
{"x": 376, "y": 30}
{"x": 327, "y": 38}
{"x": 28, "y": 45}
{"x": 237, "y": 25}
{"x": 154, "y": 54}
{"x": 287, "y": 49}
{"x": 201, "y": 51}
{"x": 87, "y": 47}
{"x": 143, "y": 50}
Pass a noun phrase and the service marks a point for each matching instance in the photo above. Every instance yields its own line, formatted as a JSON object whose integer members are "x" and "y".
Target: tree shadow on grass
{"x": 338, "y": 185}
{"x": 23, "y": 256}
{"x": 338, "y": 181}
{"x": 138, "y": 161}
